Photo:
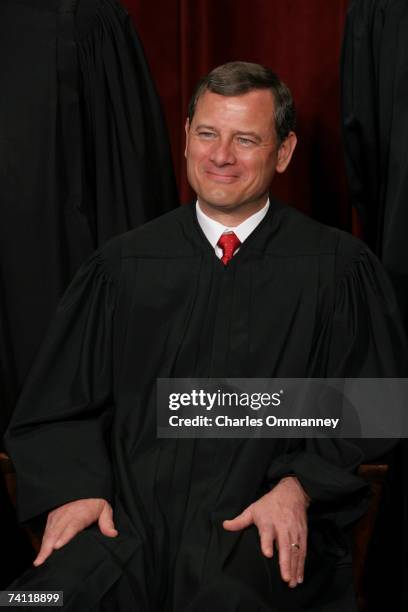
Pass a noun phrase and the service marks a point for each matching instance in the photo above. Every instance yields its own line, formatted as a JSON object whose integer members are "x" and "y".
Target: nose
{"x": 222, "y": 153}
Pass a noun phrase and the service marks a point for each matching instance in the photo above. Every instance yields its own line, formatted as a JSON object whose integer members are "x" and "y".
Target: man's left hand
{"x": 280, "y": 517}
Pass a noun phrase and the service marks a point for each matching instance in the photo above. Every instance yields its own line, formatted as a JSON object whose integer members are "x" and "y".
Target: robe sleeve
{"x": 359, "y": 335}
{"x": 56, "y": 438}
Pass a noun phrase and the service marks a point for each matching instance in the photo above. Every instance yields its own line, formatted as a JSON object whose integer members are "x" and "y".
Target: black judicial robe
{"x": 375, "y": 124}
{"x": 298, "y": 299}
{"x": 84, "y": 155}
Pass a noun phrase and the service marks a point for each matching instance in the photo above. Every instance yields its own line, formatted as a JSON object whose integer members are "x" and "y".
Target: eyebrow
{"x": 240, "y": 132}
{"x": 207, "y": 127}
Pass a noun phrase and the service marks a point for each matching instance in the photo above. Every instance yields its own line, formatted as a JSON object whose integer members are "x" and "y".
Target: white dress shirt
{"x": 213, "y": 230}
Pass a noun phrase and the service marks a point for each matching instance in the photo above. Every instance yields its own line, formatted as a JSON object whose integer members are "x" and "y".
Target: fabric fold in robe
{"x": 297, "y": 300}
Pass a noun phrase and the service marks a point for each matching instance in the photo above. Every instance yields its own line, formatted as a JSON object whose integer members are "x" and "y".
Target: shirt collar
{"x": 213, "y": 230}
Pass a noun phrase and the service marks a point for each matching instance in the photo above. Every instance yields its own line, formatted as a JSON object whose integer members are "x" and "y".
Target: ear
{"x": 187, "y": 129}
{"x": 285, "y": 152}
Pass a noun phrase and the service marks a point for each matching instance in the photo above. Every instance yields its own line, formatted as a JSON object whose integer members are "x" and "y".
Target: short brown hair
{"x": 236, "y": 78}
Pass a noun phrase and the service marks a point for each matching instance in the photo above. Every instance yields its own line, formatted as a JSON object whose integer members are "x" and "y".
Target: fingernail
{"x": 300, "y": 579}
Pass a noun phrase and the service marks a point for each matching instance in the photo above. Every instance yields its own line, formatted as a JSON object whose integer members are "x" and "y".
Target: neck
{"x": 232, "y": 217}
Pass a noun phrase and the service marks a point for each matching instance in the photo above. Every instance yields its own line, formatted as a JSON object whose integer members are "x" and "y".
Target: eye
{"x": 206, "y": 135}
{"x": 246, "y": 142}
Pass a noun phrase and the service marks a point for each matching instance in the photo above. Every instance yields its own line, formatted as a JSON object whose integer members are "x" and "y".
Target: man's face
{"x": 232, "y": 150}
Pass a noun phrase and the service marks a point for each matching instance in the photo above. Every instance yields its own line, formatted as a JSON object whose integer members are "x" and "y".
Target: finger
{"x": 301, "y": 560}
{"x": 105, "y": 522}
{"x": 67, "y": 534}
{"x": 294, "y": 560}
{"x": 266, "y": 536}
{"x": 47, "y": 546}
{"x": 284, "y": 556}
{"x": 54, "y": 529}
{"x": 243, "y": 520}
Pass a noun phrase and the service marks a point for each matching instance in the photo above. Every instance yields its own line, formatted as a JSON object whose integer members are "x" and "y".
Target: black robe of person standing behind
{"x": 298, "y": 299}
{"x": 375, "y": 124}
{"x": 84, "y": 155}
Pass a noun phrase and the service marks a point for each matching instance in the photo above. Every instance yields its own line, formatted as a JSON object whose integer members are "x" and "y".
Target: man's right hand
{"x": 65, "y": 522}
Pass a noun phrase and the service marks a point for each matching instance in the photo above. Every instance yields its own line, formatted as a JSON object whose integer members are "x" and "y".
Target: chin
{"x": 218, "y": 202}
{"x": 219, "y": 197}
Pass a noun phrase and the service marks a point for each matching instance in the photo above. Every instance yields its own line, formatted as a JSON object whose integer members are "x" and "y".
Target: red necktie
{"x": 228, "y": 243}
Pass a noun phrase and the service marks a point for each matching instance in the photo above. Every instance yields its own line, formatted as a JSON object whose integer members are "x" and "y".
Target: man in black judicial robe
{"x": 137, "y": 522}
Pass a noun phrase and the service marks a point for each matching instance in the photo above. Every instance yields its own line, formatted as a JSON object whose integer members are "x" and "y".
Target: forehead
{"x": 252, "y": 111}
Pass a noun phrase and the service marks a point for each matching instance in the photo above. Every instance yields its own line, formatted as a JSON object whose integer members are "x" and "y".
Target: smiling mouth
{"x": 221, "y": 178}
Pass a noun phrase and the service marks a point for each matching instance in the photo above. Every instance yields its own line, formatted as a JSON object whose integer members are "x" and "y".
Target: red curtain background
{"x": 298, "y": 39}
